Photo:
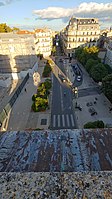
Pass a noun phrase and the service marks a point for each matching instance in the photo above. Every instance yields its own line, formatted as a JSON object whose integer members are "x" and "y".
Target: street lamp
{"x": 75, "y": 91}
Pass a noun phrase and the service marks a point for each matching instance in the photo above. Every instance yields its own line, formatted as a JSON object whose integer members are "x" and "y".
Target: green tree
{"x": 41, "y": 91}
{"x": 98, "y": 72}
{"x": 83, "y": 58}
{"x": 93, "y": 125}
{"x": 47, "y": 84}
{"x": 107, "y": 86}
{"x": 53, "y": 50}
{"x": 92, "y": 50}
{"x": 86, "y": 53}
{"x": 90, "y": 63}
{"x": 4, "y": 28}
{"x": 47, "y": 70}
{"x": 40, "y": 104}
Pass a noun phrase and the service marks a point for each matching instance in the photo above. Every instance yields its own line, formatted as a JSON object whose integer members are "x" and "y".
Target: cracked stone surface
{"x": 56, "y": 151}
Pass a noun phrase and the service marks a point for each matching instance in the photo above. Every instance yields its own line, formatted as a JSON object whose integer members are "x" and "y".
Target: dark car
{"x": 63, "y": 79}
{"x": 92, "y": 111}
{"x": 60, "y": 60}
{"x": 89, "y": 104}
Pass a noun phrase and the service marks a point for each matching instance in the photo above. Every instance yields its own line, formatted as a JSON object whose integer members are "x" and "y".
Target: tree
{"x": 53, "y": 50}
{"x": 90, "y": 63}
{"x": 41, "y": 91}
{"x": 40, "y": 104}
{"x": 78, "y": 52}
{"x": 47, "y": 70}
{"x": 4, "y": 28}
{"x": 92, "y": 50}
{"x": 93, "y": 125}
{"x": 98, "y": 72}
{"x": 83, "y": 57}
{"x": 107, "y": 86}
{"x": 83, "y": 54}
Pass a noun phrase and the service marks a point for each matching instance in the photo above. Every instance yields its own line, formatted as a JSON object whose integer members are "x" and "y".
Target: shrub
{"x": 48, "y": 84}
{"x": 34, "y": 97}
{"x": 47, "y": 70}
{"x": 93, "y": 125}
{"x": 40, "y": 104}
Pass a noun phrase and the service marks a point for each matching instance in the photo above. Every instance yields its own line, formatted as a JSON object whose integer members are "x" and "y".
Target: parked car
{"x": 78, "y": 78}
{"x": 64, "y": 93}
{"x": 89, "y": 104}
{"x": 60, "y": 60}
{"x": 92, "y": 111}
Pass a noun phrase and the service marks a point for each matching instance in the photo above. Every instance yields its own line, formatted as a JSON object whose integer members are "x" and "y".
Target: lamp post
{"x": 75, "y": 92}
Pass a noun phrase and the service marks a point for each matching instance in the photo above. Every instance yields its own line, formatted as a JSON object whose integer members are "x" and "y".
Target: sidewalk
{"x": 21, "y": 116}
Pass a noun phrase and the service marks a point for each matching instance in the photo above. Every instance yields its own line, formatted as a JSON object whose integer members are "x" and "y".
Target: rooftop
{"x": 56, "y": 151}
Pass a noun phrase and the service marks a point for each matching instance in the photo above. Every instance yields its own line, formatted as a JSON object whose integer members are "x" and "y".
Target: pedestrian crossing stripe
{"x": 63, "y": 120}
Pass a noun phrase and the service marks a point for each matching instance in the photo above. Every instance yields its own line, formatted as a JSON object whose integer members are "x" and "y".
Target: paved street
{"x": 62, "y": 113}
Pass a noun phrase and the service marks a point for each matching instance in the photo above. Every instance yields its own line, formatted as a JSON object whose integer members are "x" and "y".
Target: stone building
{"x": 108, "y": 46}
{"x": 43, "y": 41}
{"x": 17, "y": 52}
{"x": 80, "y": 32}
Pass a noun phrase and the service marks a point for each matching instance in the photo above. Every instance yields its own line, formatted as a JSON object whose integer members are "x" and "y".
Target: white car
{"x": 78, "y": 78}
{"x": 64, "y": 61}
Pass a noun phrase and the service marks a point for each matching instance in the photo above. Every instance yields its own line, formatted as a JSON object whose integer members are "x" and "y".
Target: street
{"x": 62, "y": 113}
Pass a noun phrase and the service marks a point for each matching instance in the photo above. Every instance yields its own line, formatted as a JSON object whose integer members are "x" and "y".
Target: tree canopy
{"x": 5, "y": 28}
{"x": 107, "y": 86}
{"x": 90, "y": 63}
{"x": 95, "y": 124}
{"x": 98, "y": 72}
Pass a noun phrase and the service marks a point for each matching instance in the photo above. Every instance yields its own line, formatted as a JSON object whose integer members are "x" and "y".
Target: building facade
{"x": 80, "y": 32}
{"x": 43, "y": 41}
{"x": 17, "y": 52}
{"x": 108, "y": 46}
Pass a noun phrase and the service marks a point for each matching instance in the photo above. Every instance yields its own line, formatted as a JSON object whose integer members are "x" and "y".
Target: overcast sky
{"x": 54, "y": 14}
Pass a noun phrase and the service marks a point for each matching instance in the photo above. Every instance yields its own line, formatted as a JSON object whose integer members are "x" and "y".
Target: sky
{"x": 54, "y": 14}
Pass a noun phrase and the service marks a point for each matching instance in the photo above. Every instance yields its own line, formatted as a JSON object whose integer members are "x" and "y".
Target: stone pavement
{"x": 21, "y": 116}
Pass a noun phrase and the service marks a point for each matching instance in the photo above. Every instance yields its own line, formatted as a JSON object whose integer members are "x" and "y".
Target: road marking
{"x": 63, "y": 120}
{"x": 62, "y": 107}
{"x": 72, "y": 120}
{"x": 68, "y": 122}
{"x": 58, "y": 120}
{"x": 54, "y": 120}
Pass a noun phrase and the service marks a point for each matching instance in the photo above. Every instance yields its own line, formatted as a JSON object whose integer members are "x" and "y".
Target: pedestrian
{"x": 25, "y": 90}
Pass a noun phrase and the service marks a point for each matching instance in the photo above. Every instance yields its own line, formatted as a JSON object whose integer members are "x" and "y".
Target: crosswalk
{"x": 63, "y": 121}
